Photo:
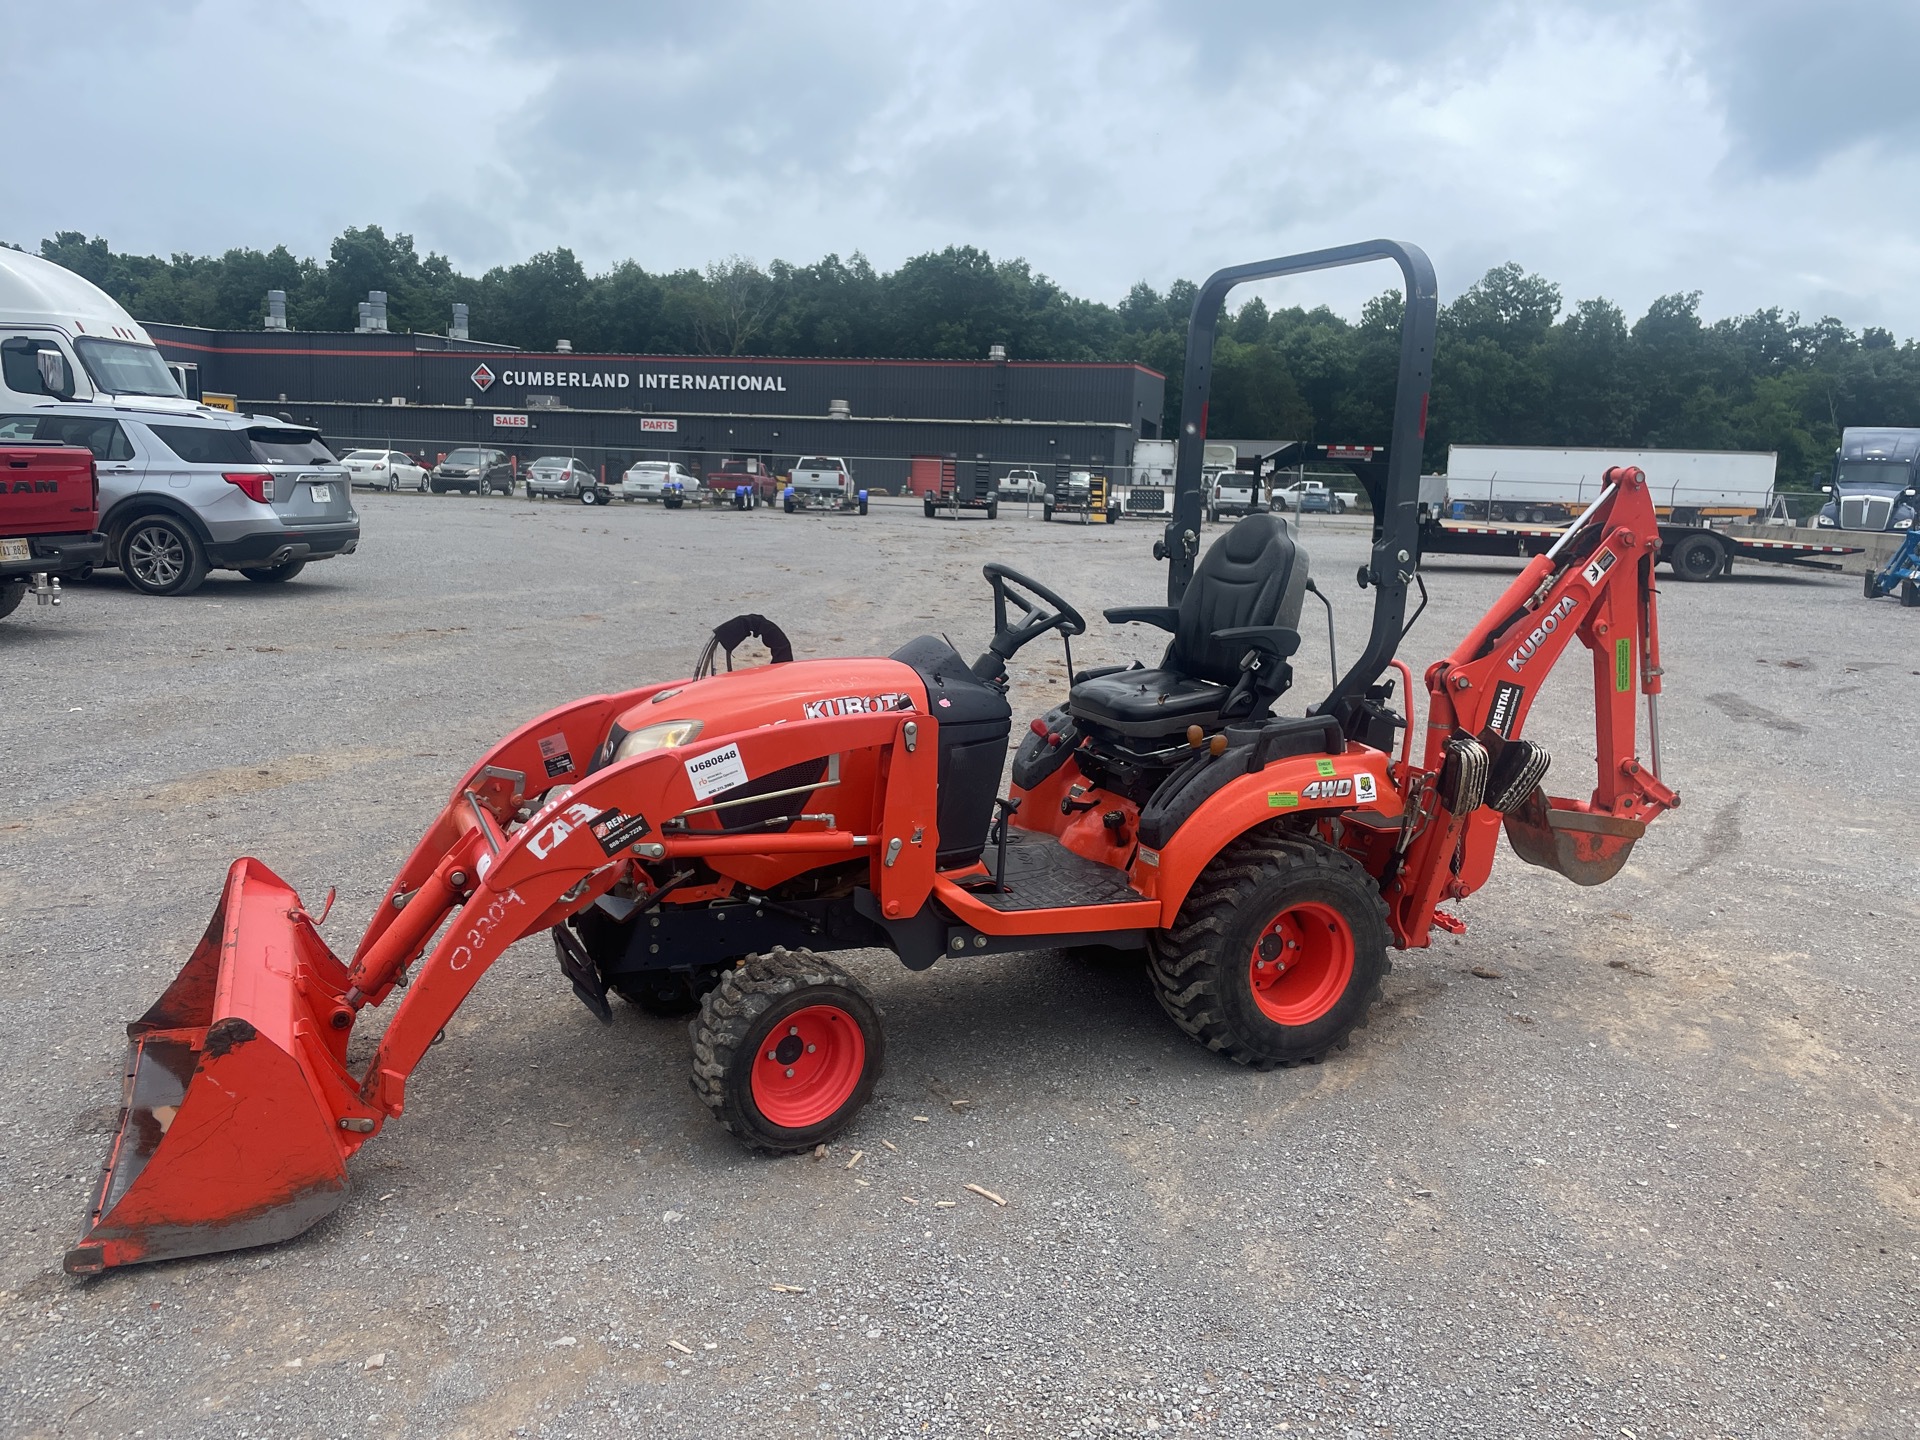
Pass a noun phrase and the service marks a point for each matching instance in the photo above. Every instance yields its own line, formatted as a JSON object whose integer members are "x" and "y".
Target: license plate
{"x": 15, "y": 550}
{"x": 321, "y": 493}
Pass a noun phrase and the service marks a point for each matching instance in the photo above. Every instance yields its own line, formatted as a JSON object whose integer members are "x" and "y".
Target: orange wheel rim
{"x": 808, "y": 1066}
{"x": 1301, "y": 964}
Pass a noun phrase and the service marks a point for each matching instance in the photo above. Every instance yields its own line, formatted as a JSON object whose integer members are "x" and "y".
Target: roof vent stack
{"x": 458, "y": 330}
{"x": 996, "y": 352}
{"x": 373, "y": 314}
{"x": 564, "y": 347}
{"x": 276, "y": 310}
{"x": 839, "y": 410}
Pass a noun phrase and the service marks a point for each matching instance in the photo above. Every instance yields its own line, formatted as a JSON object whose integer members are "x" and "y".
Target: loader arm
{"x": 1597, "y": 584}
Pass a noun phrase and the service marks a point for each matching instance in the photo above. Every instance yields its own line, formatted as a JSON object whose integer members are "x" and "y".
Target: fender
{"x": 148, "y": 502}
{"x": 1310, "y": 787}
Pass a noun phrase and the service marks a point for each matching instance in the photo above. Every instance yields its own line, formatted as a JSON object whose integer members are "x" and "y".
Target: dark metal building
{"x": 427, "y": 393}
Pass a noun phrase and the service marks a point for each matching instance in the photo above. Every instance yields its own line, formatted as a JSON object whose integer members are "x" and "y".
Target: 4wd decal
{"x": 616, "y": 830}
{"x": 854, "y": 705}
{"x": 1549, "y": 622}
{"x": 1326, "y": 790}
{"x": 1506, "y": 700}
{"x": 1318, "y": 792}
{"x": 1597, "y": 567}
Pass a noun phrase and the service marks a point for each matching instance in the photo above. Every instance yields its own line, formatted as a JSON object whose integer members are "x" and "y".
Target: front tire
{"x": 159, "y": 555}
{"x": 1277, "y": 954}
{"x": 786, "y": 1050}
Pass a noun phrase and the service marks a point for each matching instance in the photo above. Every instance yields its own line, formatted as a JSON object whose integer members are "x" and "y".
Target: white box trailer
{"x": 1147, "y": 490}
{"x": 1543, "y": 484}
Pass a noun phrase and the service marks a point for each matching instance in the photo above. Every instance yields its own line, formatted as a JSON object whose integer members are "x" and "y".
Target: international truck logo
{"x": 482, "y": 377}
{"x": 1549, "y": 623}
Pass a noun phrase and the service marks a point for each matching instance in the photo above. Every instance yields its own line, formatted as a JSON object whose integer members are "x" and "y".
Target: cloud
{"x": 1621, "y": 150}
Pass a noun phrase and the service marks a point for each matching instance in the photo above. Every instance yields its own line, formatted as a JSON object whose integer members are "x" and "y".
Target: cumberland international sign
{"x": 485, "y": 379}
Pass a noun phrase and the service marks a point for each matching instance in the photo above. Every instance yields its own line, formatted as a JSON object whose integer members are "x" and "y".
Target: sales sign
{"x": 509, "y": 422}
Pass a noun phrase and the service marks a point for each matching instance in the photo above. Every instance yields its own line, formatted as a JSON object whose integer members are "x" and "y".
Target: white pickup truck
{"x": 822, "y": 482}
{"x": 1233, "y": 492}
{"x": 1021, "y": 484}
{"x": 1305, "y": 496}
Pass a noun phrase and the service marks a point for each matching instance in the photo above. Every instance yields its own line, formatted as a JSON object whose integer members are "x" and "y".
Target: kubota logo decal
{"x": 854, "y": 705}
{"x": 1549, "y": 622}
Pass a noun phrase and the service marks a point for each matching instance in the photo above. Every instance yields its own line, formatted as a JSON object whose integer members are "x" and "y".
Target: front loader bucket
{"x": 233, "y": 1094}
{"x": 1586, "y": 846}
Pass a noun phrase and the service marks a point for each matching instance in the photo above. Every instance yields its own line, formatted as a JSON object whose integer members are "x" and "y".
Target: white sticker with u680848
{"x": 715, "y": 771}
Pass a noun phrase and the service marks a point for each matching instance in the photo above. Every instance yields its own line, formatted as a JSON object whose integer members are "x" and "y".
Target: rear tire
{"x": 12, "y": 592}
{"x": 1277, "y": 954}
{"x": 1696, "y": 558}
{"x": 279, "y": 574}
{"x": 159, "y": 555}
{"x": 786, "y": 1050}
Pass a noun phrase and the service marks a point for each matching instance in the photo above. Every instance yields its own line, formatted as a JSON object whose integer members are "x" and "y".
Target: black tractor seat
{"x": 1245, "y": 596}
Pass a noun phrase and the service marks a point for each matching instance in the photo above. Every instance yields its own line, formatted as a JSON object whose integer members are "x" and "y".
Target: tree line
{"x": 1513, "y": 365}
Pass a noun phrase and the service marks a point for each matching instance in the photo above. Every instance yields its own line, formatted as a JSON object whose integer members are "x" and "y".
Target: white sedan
{"x": 384, "y": 470}
{"x": 657, "y": 480}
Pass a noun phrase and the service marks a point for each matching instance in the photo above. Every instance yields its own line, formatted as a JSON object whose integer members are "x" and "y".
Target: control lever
{"x": 1003, "y": 812}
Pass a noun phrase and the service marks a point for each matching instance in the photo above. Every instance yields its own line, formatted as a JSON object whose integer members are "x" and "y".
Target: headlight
{"x": 657, "y": 737}
{"x": 1903, "y": 524}
{"x": 1823, "y": 520}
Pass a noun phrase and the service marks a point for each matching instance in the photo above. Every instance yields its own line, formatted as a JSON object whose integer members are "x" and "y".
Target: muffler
{"x": 237, "y": 1111}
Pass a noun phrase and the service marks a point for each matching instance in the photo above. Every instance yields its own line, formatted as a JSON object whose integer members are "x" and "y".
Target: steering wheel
{"x": 1012, "y": 586}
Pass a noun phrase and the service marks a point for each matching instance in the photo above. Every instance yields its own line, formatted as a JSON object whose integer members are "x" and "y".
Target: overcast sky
{"x": 1760, "y": 151}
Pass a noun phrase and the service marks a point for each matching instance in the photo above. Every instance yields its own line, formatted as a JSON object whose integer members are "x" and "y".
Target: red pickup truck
{"x": 49, "y": 519}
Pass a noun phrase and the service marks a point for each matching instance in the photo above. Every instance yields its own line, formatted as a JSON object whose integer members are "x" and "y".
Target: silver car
{"x": 384, "y": 470}
{"x": 183, "y": 492}
{"x": 560, "y": 475}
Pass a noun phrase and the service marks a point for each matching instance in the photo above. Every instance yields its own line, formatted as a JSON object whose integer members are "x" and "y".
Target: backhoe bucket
{"x": 235, "y": 1086}
{"x": 1586, "y": 846}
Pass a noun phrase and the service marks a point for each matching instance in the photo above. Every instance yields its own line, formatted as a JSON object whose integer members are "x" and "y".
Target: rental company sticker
{"x": 616, "y": 830}
{"x": 715, "y": 771}
{"x": 1363, "y": 788}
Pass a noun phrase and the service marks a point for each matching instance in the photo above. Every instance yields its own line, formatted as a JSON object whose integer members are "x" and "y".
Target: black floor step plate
{"x": 1042, "y": 874}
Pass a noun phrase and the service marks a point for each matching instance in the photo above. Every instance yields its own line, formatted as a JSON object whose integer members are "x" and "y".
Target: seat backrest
{"x": 1252, "y": 575}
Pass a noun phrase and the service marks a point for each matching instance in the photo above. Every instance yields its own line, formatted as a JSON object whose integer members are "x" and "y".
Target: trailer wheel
{"x": 590, "y": 495}
{"x": 1698, "y": 557}
{"x": 1046, "y": 512}
{"x": 786, "y": 1050}
{"x": 1277, "y": 954}
{"x": 993, "y": 509}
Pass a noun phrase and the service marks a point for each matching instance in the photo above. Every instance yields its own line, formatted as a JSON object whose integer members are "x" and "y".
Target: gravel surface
{"x": 1630, "y": 1161}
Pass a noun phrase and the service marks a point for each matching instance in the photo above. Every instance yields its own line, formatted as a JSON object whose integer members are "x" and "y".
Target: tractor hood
{"x": 764, "y": 695}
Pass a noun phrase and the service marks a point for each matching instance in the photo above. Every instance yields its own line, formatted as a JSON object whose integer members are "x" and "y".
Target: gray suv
{"x": 474, "y": 471}
{"x": 185, "y": 491}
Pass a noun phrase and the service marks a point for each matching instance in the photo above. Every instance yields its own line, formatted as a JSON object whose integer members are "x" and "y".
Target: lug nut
{"x": 789, "y": 1072}
{"x": 809, "y": 1049}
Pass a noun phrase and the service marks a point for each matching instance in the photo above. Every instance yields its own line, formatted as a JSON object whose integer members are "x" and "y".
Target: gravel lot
{"x": 1632, "y": 1161}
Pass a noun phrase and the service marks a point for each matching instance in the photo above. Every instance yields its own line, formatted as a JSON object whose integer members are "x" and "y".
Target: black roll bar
{"x": 1396, "y": 524}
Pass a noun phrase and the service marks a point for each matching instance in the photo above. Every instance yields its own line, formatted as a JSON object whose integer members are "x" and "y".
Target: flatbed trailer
{"x": 958, "y": 495}
{"x": 1692, "y": 552}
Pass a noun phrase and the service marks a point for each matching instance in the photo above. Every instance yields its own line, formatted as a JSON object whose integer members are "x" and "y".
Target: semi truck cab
{"x": 1874, "y": 480}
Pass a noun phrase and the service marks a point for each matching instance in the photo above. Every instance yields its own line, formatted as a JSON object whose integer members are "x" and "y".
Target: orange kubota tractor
{"x": 703, "y": 843}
